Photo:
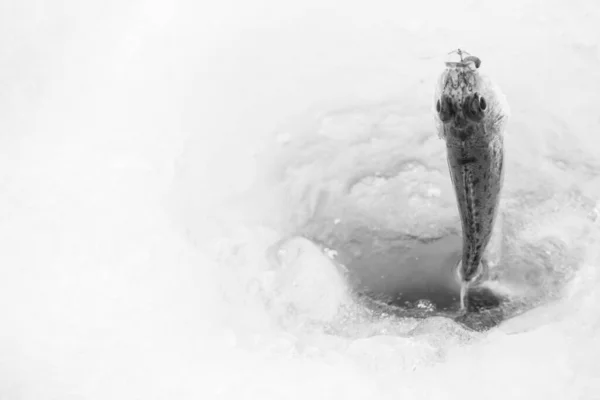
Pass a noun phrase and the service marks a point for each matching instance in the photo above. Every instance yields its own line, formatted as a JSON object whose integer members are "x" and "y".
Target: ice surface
{"x": 153, "y": 153}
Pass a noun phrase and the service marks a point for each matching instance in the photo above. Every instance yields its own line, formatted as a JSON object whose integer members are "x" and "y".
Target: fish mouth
{"x": 471, "y": 65}
{"x": 466, "y": 60}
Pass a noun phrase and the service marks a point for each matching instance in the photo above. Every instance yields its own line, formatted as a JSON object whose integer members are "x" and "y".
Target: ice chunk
{"x": 308, "y": 283}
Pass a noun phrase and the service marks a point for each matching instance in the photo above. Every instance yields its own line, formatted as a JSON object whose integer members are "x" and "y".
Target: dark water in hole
{"x": 412, "y": 277}
{"x": 406, "y": 272}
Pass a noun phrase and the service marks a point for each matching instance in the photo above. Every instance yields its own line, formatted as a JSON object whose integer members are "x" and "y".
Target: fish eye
{"x": 444, "y": 108}
{"x": 482, "y": 104}
{"x": 474, "y": 107}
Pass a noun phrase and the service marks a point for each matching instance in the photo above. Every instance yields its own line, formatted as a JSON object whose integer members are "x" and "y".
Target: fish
{"x": 471, "y": 115}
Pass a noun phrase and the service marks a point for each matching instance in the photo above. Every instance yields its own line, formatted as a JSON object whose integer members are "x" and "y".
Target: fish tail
{"x": 480, "y": 273}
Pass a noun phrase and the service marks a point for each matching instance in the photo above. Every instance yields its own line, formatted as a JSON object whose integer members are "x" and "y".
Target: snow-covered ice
{"x": 154, "y": 154}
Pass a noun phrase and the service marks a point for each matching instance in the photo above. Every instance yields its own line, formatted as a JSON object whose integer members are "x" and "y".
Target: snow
{"x": 152, "y": 154}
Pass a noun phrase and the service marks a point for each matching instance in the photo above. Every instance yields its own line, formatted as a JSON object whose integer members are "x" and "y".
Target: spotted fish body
{"x": 471, "y": 115}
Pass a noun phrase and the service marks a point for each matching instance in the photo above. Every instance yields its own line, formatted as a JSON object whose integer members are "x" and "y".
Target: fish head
{"x": 467, "y": 103}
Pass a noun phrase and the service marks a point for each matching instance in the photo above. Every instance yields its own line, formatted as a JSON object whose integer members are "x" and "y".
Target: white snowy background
{"x": 126, "y": 270}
